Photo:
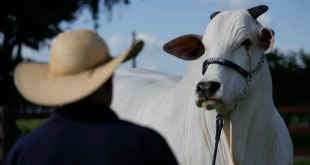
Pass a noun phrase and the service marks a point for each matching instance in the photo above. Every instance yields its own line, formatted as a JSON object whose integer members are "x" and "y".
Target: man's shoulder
{"x": 154, "y": 144}
{"x": 28, "y": 139}
{"x": 136, "y": 127}
{"x": 143, "y": 131}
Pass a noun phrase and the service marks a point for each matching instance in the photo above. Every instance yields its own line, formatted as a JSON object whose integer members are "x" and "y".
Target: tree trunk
{"x": 5, "y": 68}
{"x": 10, "y": 130}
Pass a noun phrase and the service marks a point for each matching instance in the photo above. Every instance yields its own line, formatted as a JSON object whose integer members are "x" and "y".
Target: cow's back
{"x": 135, "y": 91}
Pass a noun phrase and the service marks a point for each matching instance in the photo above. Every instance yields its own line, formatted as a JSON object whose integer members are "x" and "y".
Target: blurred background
{"x": 27, "y": 28}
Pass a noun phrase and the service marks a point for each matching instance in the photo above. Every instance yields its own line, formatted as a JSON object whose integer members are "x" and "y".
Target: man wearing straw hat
{"x": 82, "y": 130}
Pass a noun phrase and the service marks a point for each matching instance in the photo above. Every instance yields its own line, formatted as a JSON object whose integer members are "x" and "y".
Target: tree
{"x": 31, "y": 23}
{"x": 290, "y": 77}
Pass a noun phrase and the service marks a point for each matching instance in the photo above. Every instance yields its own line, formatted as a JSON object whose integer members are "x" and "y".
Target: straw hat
{"x": 79, "y": 64}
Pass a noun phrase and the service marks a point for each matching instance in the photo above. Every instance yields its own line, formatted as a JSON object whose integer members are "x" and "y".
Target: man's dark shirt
{"x": 89, "y": 134}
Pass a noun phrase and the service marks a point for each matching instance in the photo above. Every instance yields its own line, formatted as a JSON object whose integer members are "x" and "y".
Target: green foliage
{"x": 301, "y": 141}
{"x": 290, "y": 77}
{"x": 32, "y": 21}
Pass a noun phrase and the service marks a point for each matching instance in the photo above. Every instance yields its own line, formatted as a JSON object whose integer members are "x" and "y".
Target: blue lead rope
{"x": 219, "y": 125}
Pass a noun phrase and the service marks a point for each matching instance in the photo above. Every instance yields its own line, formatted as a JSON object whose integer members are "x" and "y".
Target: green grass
{"x": 302, "y": 163}
{"x": 25, "y": 125}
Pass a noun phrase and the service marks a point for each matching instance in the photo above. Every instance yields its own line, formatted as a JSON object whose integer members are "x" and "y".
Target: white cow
{"x": 254, "y": 134}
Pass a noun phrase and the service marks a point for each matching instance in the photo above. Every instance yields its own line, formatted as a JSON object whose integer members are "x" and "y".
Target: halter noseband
{"x": 243, "y": 72}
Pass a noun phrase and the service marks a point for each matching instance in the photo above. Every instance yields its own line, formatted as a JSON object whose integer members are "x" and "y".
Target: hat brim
{"x": 37, "y": 85}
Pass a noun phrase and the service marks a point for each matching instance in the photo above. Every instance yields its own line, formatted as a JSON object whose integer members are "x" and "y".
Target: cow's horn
{"x": 257, "y": 11}
{"x": 214, "y": 14}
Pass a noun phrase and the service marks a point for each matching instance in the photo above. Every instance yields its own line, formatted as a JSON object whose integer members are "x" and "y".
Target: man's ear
{"x": 266, "y": 37}
{"x": 188, "y": 47}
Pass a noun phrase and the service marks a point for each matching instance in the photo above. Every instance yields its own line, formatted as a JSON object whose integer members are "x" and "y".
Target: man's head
{"x": 103, "y": 95}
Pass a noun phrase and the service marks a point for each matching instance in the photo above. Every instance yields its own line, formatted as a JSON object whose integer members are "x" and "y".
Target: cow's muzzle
{"x": 207, "y": 90}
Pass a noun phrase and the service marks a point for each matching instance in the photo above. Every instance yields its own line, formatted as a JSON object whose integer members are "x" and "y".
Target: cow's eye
{"x": 246, "y": 43}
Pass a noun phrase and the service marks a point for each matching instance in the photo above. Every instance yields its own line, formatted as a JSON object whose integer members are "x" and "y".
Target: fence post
{"x": 133, "y": 41}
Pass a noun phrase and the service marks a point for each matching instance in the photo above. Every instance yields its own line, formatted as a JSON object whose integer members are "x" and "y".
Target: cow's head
{"x": 233, "y": 35}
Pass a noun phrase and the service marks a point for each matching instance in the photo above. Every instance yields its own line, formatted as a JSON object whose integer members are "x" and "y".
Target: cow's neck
{"x": 253, "y": 120}
{"x": 252, "y": 125}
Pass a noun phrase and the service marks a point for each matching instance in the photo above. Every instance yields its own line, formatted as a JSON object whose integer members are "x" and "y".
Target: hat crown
{"x": 76, "y": 51}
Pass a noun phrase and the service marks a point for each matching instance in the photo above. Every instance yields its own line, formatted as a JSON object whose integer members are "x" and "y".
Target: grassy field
{"x": 302, "y": 163}
{"x": 27, "y": 125}
{"x": 299, "y": 141}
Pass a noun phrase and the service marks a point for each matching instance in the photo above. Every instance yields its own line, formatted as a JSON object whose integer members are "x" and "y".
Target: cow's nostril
{"x": 199, "y": 87}
{"x": 214, "y": 86}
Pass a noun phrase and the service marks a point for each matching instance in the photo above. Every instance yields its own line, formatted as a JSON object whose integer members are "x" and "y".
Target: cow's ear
{"x": 266, "y": 37}
{"x": 188, "y": 47}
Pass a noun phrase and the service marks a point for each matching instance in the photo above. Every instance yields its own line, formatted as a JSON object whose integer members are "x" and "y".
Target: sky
{"x": 157, "y": 22}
